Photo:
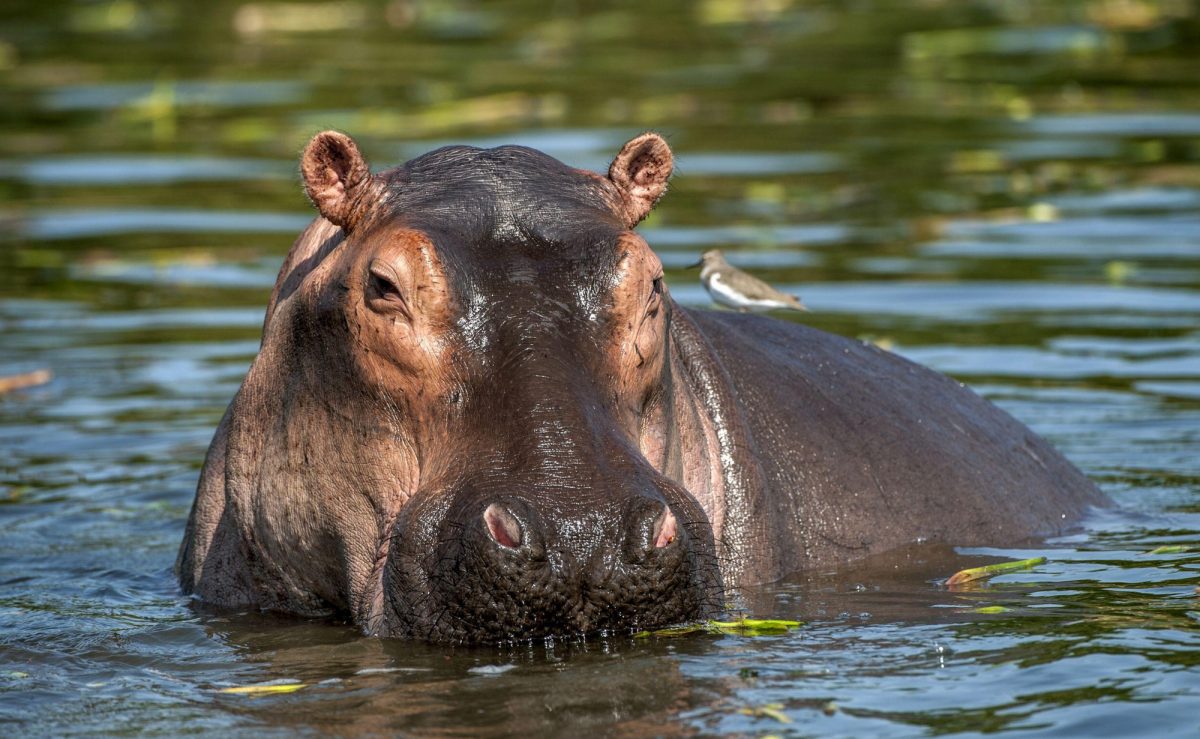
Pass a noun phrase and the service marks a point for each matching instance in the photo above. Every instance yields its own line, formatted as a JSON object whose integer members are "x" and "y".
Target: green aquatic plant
{"x": 1171, "y": 549}
{"x": 268, "y": 689}
{"x": 740, "y": 627}
{"x": 982, "y": 573}
{"x": 991, "y": 609}
{"x": 769, "y": 710}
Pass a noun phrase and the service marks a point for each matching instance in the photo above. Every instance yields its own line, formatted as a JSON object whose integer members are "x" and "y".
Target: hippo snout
{"x": 649, "y": 526}
{"x": 508, "y": 570}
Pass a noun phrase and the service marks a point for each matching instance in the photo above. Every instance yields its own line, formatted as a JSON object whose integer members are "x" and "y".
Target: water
{"x": 1009, "y": 192}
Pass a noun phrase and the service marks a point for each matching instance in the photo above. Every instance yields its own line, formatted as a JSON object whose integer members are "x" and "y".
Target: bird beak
{"x": 697, "y": 264}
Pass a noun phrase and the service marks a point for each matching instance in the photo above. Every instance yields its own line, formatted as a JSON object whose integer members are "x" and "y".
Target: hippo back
{"x": 863, "y": 451}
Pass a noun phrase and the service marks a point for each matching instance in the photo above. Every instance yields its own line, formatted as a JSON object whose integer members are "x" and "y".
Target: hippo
{"x": 477, "y": 416}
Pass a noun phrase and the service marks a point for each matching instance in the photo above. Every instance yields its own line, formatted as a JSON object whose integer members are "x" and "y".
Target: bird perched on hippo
{"x": 477, "y": 415}
{"x": 731, "y": 287}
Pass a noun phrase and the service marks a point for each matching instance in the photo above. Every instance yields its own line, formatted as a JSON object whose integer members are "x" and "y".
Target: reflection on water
{"x": 1009, "y": 192}
{"x": 144, "y": 170}
{"x": 199, "y": 93}
{"x": 74, "y": 224}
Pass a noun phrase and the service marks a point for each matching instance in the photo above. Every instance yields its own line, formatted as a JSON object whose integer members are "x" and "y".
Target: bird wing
{"x": 754, "y": 288}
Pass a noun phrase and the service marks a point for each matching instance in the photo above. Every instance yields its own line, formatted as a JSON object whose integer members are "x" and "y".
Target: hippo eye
{"x": 656, "y": 292}
{"x": 382, "y": 291}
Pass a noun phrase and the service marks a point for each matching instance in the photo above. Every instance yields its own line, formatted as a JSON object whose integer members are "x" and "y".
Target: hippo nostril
{"x": 664, "y": 529}
{"x": 652, "y": 527}
{"x": 503, "y": 526}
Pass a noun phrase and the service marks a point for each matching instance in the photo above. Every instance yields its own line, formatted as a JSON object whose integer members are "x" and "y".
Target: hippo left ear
{"x": 336, "y": 178}
{"x": 640, "y": 173}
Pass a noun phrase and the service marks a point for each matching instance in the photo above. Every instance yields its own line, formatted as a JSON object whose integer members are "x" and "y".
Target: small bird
{"x": 733, "y": 288}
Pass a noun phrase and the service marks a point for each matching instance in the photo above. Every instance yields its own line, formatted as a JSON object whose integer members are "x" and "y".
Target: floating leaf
{"x": 264, "y": 689}
{"x": 752, "y": 626}
{"x": 741, "y": 627}
{"x": 982, "y": 573}
{"x": 991, "y": 609}
{"x": 770, "y": 710}
{"x": 1171, "y": 549}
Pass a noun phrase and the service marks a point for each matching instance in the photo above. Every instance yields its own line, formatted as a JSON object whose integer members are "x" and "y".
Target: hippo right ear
{"x": 640, "y": 172}
{"x": 336, "y": 178}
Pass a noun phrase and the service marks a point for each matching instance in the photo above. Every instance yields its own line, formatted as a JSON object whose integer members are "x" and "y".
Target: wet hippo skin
{"x": 478, "y": 416}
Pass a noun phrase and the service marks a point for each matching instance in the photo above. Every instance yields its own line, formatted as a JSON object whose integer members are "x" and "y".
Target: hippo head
{"x": 456, "y": 427}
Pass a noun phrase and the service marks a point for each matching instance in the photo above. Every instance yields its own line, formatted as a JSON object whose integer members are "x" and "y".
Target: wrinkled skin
{"x": 477, "y": 416}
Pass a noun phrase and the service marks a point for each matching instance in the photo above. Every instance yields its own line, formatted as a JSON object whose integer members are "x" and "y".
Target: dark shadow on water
{"x": 365, "y": 685}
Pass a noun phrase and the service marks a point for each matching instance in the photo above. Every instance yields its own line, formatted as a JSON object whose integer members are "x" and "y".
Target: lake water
{"x": 1008, "y": 192}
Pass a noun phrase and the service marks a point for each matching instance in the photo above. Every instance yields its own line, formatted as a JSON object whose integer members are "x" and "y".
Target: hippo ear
{"x": 336, "y": 177}
{"x": 640, "y": 173}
